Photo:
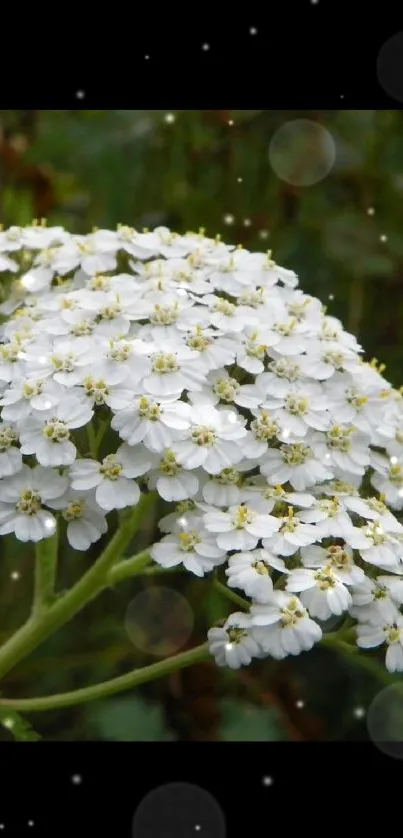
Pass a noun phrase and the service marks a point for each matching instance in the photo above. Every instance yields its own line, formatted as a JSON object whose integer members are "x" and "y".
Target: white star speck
{"x": 267, "y": 781}
{"x": 80, "y": 94}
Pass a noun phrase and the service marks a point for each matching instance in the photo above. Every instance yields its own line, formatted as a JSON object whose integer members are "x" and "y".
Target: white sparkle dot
{"x": 80, "y": 94}
{"x": 30, "y": 823}
{"x": 239, "y": 179}
{"x": 9, "y": 723}
{"x": 230, "y": 122}
{"x": 263, "y": 234}
{"x": 205, "y": 47}
{"x": 267, "y": 781}
{"x": 15, "y": 575}
{"x": 359, "y": 712}
{"x": 314, "y": 2}
{"x": 327, "y": 456}
{"x": 146, "y": 57}
{"x": 1, "y": 825}
{"x": 228, "y": 219}
{"x": 286, "y": 433}
{"x": 341, "y": 95}
{"x": 169, "y": 118}
{"x": 247, "y": 222}
{"x": 400, "y": 493}
{"x": 393, "y": 460}
{"x": 76, "y": 779}
{"x": 228, "y": 646}
{"x": 383, "y": 238}
{"x": 370, "y": 211}
{"x": 300, "y": 704}
{"x": 331, "y": 296}
{"x": 253, "y": 30}
{"x": 197, "y": 827}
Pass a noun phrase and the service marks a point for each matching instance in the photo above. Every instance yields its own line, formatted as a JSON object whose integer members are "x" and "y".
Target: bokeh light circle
{"x": 159, "y": 621}
{"x": 385, "y": 721}
{"x": 389, "y": 66}
{"x": 302, "y": 152}
{"x": 179, "y": 809}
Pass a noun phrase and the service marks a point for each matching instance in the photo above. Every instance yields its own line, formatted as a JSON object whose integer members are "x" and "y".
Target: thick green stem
{"x": 115, "y": 685}
{"x": 45, "y": 573}
{"x": 43, "y": 625}
{"x": 129, "y": 567}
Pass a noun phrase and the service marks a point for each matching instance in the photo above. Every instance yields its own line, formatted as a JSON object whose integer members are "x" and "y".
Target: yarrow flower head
{"x": 138, "y": 361}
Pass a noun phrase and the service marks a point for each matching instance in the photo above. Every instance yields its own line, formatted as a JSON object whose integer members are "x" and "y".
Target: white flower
{"x": 233, "y": 645}
{"x": 26, "y": 396}
{"x": 325, "y": 359}
{"x": 283, "y": 626}
{"x": 94, "y": 253}
{"x": 374, "y": 510}
{"x": 223, "y": 489}
{"x": 86, "y": 521}
{"x": 22, "y": 500}
{"x": 234, "y": 394}
{"x": 170, "y": 479}
{"x": 118, "y": 360}
{"x": 377, "y": 601}
{"x": 61, "y": 360}
{"x": 299, "y": 411}
{"x": 292, "y": 534}
{"x": 321, "y": 591}
{"x": 241, "y": 527}
{"x": 330, "y": 518}
{"x": 388, "y": 480}
{"x": 214, "y": 440}
{"x": 173, "y": 370}
{"x": 154, "y": 422}
{"x": 213, "y": 351}
{"x": 250, "y": 571}
{"x": 343, "y": 448}
{"x": 338, "y": 557}
{"x": 376, "y": 546}
{"x": 48, "y": 436}
{"x": 295, "y": 463}
{"x": 196, "y": 549}
{"x": 115, "y": 488}
{"x": 10, "y": 456}
{"x": 369, "y": 636}
{"x": 363, "y": 408}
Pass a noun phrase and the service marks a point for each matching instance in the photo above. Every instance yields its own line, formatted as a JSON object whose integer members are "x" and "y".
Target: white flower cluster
{"x": 229, "y": 391}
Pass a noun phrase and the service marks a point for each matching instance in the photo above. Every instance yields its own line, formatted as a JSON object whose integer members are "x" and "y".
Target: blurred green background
{"x": 342, "y": 235}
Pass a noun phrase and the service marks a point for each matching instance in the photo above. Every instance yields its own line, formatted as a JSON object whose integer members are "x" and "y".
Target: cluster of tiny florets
{"x": 228, "y": 391}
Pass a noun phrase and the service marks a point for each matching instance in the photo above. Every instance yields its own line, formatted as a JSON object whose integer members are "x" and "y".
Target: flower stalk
{"x": 46, "y": 553}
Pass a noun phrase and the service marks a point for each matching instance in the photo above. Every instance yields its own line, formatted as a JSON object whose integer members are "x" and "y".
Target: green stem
{"x": 115, "y": 685}
{"x": 40, "y": 627}
{"x": 103, "y": 427}
{"x": 45, "y": 573}
{"x": 359, "y": 659}
{"x": 128, "y": 567}
{"x": 231, "y": 595}
{"x": 92, "y": 444}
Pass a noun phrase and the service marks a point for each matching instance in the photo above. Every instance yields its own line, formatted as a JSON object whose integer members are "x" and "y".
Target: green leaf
{"x": 243, "y": 722}
{"x": 20, "y": 728}
{"x": 129, "y": 720}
